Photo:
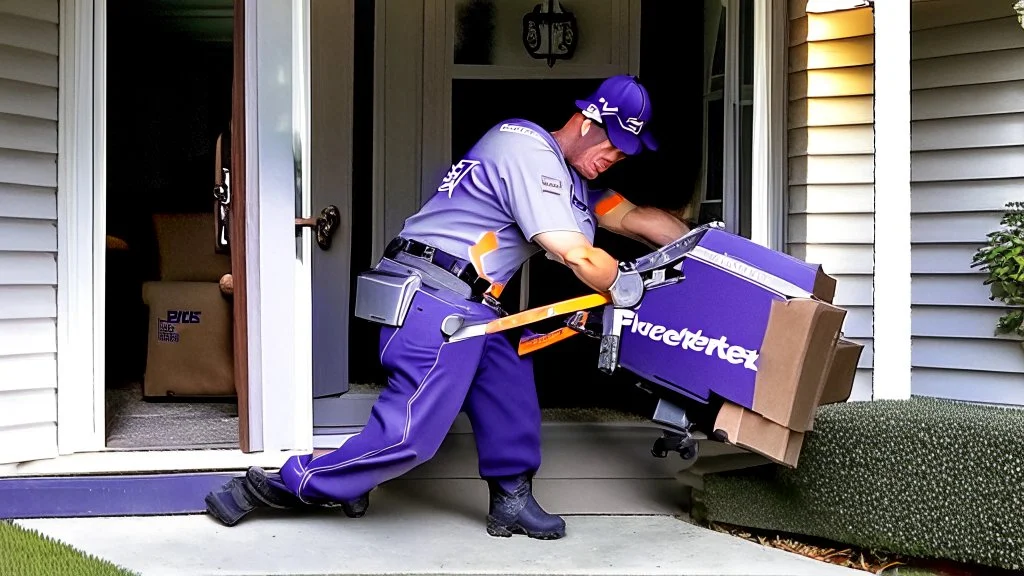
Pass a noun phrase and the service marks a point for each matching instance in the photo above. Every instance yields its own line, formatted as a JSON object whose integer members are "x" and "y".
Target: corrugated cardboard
{"x": 839, "y": 384}
{"x": 796, "y": 358}
{"x": 190, "y": 340}
{"x": 741, "y": 427}
{"x": 187, "y": 248}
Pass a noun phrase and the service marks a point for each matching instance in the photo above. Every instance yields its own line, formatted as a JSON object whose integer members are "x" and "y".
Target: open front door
{"x": 332, "y": 109}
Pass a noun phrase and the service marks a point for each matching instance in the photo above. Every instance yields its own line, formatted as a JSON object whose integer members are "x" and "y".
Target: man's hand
{"x": 651, "y": 225}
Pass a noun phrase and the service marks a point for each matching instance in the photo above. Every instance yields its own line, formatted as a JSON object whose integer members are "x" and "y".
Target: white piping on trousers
{"x": 308, "y": 474}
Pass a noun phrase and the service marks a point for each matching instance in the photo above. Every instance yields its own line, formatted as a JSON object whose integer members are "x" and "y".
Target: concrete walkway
{"x": 412, "y": 531}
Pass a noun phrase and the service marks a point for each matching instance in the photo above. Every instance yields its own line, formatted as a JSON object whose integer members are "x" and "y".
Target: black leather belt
{"x": 461, "y": 269}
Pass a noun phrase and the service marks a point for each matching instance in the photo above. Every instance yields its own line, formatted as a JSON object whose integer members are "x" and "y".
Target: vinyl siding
{"x": 967, "y": 162}
{"x": 28, "y": 233}
{"x": 831, "y": 161}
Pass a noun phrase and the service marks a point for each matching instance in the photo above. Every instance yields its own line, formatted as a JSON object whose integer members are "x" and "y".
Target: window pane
{"x": 714, "y": 165}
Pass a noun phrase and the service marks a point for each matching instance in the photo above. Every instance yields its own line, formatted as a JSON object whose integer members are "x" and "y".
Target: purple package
{"x": 699, "y": 335}
{"x": 810, "y": 277}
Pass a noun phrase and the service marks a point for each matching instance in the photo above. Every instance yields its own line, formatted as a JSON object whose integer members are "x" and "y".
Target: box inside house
{"x": 169, "y": 350}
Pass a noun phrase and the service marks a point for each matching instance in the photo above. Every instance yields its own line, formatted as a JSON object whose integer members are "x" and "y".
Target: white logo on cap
{"x": 632, "y": 124}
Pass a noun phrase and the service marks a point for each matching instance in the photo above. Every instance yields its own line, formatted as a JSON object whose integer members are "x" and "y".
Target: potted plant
{"x": 1002, "y": 258}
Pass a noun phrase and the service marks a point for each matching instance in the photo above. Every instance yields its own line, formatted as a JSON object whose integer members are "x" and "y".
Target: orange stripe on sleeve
{"x": 608, "y": 203}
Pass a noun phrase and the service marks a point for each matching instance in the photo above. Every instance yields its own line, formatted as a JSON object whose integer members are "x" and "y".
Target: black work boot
{"x": 514, "y": 510}
{"x": 268, "y": 487}
{"x": 232, "y": 502}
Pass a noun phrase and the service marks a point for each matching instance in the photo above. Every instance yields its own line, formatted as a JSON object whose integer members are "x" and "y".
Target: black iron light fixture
{"x": 550, "y": 32}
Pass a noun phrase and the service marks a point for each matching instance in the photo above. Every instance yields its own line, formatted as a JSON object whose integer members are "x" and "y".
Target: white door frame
{"x": 280, "y": 415}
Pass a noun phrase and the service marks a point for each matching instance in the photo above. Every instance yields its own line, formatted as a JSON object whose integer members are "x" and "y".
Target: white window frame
{"x": 769, "y": 193}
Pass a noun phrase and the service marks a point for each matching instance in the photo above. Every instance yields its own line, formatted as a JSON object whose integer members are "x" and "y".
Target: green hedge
{"x": 29, "y": 553}
{"x": 923, "y": 477}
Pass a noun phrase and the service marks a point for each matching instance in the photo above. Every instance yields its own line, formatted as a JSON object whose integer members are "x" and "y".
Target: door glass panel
{"x": 491, "y": 32}
{"x": 745, "y": 120}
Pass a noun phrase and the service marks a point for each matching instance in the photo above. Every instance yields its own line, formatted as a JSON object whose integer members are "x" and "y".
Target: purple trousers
{"x": 430, "y": 382}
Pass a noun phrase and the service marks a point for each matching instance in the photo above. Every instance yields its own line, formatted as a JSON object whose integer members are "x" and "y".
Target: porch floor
{"x": 423, "y": 526}
{"x": 136, "y": 424}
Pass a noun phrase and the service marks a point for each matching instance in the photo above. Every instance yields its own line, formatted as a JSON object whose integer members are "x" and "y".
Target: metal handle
{"x": 325, "y": 225}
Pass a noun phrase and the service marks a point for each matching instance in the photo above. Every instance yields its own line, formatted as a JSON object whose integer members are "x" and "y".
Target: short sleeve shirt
{"x": 512, "y": 185}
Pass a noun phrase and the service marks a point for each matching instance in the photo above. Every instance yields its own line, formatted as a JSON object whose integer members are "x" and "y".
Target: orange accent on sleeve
{"x": 608, "y": 203}
{"x": 486, "y": 244}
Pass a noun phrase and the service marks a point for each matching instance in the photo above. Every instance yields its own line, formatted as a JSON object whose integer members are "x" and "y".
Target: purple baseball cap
{"x": 621, "y": 105}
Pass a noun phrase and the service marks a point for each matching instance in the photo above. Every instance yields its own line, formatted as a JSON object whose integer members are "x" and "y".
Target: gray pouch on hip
{"x": 385, "y": 297}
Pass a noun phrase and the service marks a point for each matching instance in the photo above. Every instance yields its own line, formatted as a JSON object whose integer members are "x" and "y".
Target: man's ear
{"x": 585, "y": 126}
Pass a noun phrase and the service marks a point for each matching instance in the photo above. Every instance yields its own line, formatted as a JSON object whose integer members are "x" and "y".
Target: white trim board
{"x": 81, "y": 242}
{"x": 892, "y": 231}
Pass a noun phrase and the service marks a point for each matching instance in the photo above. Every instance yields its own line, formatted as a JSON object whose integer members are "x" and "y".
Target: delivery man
{"x": 518, "y": 191}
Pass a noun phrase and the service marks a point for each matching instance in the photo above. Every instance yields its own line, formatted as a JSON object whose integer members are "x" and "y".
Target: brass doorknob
{"x": 325, "y": 225}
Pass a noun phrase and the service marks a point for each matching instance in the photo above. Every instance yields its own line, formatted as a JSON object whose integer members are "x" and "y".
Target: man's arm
{"x": 644, "y": 223}
{"x": 593, "y": 266}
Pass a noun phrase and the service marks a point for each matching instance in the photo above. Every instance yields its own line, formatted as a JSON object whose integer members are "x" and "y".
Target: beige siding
{"x": 28, "y": 233}
{"x": 831, "y": 160}
{"x": 967, "y": 162}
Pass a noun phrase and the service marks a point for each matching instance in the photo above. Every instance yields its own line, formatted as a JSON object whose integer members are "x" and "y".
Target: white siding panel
{"x": 966, "y": 101}
{"x": 989, "y": 387}
{"x": 27, "y": 268}
{"x": 853, "y": 290}
{"x": 974, "y": 195}
{"x": 977, "y": 164}
{"x": 34, "y": 406}
{"x": 28, "y": 372}
{"x": 950, "y": 227}
{"x": 32, "y": 442}
{"x": 28, "y": 100}
{"x": 835, "y": 111}
{"x": 28, "y": 66}
{"x": 968, "y": 162}
{"x": 982, "y": 36}
{"x": 867, "y": 356}
{"x": 861, "y": 386}
{"x": 850, "y": 169}
{"x": 932, "y": 14}
{"x": 969, "y": 354}
{"x": 1001, "y": 66}
{"x": 832, "y": 199}
{"x": 20, "y": 302}
{"x": 943, "y": 258}
{"x": 831, "y": 140}
{"x": 27, "y": 336}
{"x": 29, "y": 42}
{"x": 31, "y": 134}
{"x": 28, "y": 168}
{"x": 27, "y": 202}
{"x": 958, "y": 322}
{"x": 27, "y": 235}
{"x": 831, "y": 228}
{"x": 28, "y": 33}
{"x": 969, "y": 132}
{"x": 952, "y": 290}
{"x": 837, "y": 259}
{"x": 45, "y": 10}
{"x": 858, "y": 323}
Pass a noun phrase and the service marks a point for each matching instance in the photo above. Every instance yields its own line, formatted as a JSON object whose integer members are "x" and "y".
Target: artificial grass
{"x": 926, "y": 478}
{"x": 29, "y": 553}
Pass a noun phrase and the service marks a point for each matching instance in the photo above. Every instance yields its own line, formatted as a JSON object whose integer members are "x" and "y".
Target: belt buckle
{"x": 428, "y": 253}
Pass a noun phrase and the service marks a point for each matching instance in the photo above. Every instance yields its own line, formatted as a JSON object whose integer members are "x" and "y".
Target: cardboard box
{"x": 190, "y": 340}
{"x": 736, "y": 331}
{"x": 746, "y": 429}
{"x": 839, "y": 384}
{"x": 187, "y": 249}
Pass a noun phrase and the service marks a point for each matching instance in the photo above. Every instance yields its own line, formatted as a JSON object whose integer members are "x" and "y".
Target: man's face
{"x": 595, "y": 153}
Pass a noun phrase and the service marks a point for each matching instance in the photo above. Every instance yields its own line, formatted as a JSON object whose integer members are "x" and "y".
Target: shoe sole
{"x": 222, "y": 514}
{"x": 507, "y": 531}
